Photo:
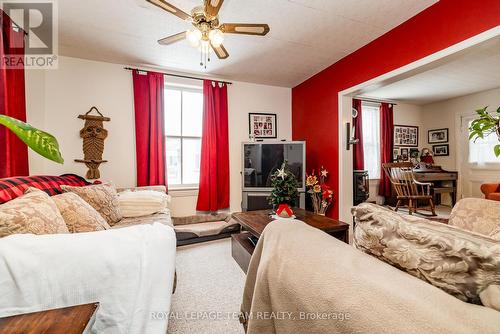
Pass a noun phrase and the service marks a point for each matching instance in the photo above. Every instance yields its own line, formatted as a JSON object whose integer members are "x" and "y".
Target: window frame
{"x": 475, "y": 165}
{"x": 374, "y": 105}
{"x": 182, "y": 88}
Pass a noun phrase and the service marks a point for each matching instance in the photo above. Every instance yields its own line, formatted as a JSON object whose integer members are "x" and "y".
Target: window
{"x": 481, "y": 151}
{"x": 371, "y": 139}
{"x": 183, "y": 127}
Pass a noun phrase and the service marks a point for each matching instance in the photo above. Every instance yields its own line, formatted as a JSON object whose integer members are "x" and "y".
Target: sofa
{"x": 128, "y": 267}
{"x": 491, "y": 191}
{"x": 404, "y": 275}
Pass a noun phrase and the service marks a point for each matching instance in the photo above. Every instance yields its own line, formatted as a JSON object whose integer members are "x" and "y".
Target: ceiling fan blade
{"x": 212, "y": 7}
{"x": 220, "y": 51}
{"x": 245, "y": 28}
{"x": 170, "y": 8}
{"x": 172, "y": 38}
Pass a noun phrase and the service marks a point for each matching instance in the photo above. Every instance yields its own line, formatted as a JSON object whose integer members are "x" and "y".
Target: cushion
{"x": 13, "y": 187}
{"x": 78, "y": 215}
{"x": 460, "y": 262}
{"x": 207, "y": 228}
{"x": 162, "y": 189}
{"x": 490, "y": 297}
{"x": 196, "y": 219}
{"x": 162, "y": 217}
{"x": 102, "y": 197}
{"x": 477, "y": 215}
{"x": 34, "y": 212}
{"x": 142, "y": 203}
{"x": 494, "y": 196}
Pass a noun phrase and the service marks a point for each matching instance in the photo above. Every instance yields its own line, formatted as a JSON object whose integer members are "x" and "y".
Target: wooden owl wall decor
{"x": 93, "y": 135}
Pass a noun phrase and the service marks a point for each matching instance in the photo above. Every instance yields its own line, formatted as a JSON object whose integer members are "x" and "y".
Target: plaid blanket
{"x": 13, "y": 187}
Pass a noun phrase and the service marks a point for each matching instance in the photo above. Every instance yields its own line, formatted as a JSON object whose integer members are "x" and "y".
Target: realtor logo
{"x": 38, "y": 20}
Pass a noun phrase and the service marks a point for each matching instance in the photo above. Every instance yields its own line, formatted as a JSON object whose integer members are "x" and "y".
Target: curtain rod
{"x": 177, "y": 75}
{"x": 374, "y": 100}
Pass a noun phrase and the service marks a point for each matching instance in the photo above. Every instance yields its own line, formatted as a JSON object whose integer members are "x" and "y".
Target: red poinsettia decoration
{"x": 327, "y": 193}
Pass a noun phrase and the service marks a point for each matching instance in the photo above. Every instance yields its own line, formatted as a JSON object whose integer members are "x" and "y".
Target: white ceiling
{"x": 306, "y": 35}
{"x": 474, "y": 70}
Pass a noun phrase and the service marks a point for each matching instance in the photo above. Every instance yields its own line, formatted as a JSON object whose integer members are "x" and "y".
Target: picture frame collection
{"x": 441, "y": 138}
{"x": 405, "y": 142}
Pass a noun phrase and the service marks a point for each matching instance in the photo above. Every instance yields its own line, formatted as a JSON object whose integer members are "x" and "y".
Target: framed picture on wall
{"x": 405, "y": 154}
{"x": 262, "y": 125}
{"x": 437, "y": 136}
{"x": 441, "y": 150}
{"x": 395, "y": 154}
{"x": 414, "y": 153}
{"x": 405, "y": 135}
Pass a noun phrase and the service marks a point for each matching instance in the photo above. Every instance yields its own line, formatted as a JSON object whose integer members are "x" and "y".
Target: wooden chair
{"x": 407, "y": 188}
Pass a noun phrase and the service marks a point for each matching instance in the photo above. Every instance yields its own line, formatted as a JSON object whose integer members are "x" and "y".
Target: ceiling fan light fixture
{"x": 194, "y": 37}
{"x": 216, "y": 37}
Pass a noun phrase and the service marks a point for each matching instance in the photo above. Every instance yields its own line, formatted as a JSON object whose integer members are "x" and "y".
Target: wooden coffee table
{"x": 254, "y": 222}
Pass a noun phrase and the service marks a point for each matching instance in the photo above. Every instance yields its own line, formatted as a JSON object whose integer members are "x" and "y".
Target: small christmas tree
{"x": 284, "y": 186}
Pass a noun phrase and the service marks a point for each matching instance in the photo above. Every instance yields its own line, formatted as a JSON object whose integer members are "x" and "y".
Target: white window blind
{"x": 371, "y": 139}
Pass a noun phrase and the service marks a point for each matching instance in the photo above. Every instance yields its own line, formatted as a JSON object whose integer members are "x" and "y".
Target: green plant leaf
{"x": 497, "y": 150}
{"x": 39, "y": 141}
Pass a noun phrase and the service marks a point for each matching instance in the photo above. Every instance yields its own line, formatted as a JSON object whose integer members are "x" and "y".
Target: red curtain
{"x": 13, "y": 152}
{"x": 358, "y": 153}
{"x": 149, "y": 128}
{"x": 214, "y": 167}
{"x": 386, "y": 145}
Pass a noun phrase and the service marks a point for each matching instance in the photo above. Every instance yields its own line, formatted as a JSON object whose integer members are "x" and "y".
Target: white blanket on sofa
{"x": 129, "y": 271}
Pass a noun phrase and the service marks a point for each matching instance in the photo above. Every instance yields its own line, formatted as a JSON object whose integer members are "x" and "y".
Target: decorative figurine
{"x": 93, "y": 134}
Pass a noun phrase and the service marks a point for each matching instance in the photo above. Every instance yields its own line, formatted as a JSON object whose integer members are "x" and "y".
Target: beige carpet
{"x": 209, "y": 290}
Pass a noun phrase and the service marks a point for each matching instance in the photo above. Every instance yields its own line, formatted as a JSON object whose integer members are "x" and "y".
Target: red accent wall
{"x": 315, "y": 101}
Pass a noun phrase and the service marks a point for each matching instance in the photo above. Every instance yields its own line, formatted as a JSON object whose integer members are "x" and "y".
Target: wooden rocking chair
{"x": 408, "y": 190}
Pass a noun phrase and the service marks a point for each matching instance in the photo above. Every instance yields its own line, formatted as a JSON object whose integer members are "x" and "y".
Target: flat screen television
{"x": 262, "y": 159}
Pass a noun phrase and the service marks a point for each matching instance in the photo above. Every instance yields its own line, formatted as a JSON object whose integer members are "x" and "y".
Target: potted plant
{"x": 285, "y": 185}
{"x": 321, "y": 194}
{"x": 39, "y": 141}
{"x": 485, "y": 125}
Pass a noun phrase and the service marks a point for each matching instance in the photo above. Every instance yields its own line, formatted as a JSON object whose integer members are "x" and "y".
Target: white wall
{"x": 56, "y": 97}
{"x": 404, "y": 114}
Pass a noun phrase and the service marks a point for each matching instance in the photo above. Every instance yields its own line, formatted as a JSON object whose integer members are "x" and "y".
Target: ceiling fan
{"x": 207, "y": 33}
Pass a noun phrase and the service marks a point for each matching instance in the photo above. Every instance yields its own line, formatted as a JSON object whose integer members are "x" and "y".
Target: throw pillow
{"x": 477, "y": 215}
{"x": 460, "y": 262}
{"x": 78, "y": 215}
{"x": 490, "y": 297}
{"x": 35, "y": 212}
{"x": 142, "y": 203}
{"x": 102, "y": 197}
